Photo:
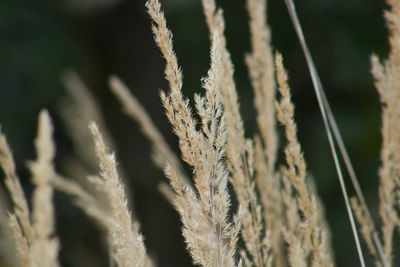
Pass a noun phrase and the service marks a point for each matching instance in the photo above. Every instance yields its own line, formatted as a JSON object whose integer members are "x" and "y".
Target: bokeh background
{"x": 40, "y": 40}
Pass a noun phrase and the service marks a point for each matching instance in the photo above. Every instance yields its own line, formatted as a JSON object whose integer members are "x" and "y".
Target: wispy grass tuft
{"x": 125, "y": 240}
{"x": 279, "y": 221}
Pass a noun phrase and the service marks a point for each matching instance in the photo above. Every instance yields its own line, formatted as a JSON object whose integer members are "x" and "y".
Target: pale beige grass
{"x": 125, "y": 239}
{"x": 210, "y": 236}
{"x": 44, "y": 247}
{"x": 313, "y": 237}
{"x": 387, "y": 79}
{"x": 240, "y": 151}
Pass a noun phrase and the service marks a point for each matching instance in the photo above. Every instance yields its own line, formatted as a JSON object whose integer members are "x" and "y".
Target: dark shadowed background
{"x": 39, "y": 40}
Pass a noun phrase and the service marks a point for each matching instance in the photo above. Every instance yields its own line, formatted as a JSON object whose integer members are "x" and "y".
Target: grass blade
{"x": 321, "y": 97}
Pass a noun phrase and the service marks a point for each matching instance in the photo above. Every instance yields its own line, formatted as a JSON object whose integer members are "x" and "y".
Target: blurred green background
{"x": 39, "y": 40}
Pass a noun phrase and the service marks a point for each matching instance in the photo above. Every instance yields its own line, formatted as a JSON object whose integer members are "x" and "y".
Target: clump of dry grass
{"x": 386, "y": 81}
{"x": 19, "y": 218}
{"x": 34, "y": 233}
{"x": 261, "y": 71}
{"x": 210, "y": 236}
{"x": 310, "y": 235}
{"x": 240, "y": 151}
{"x": 280, "y": 220}
{"x": 44, "y": 247}
{"x": 12, "y": 182}
{"x": 125, "y": 240}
